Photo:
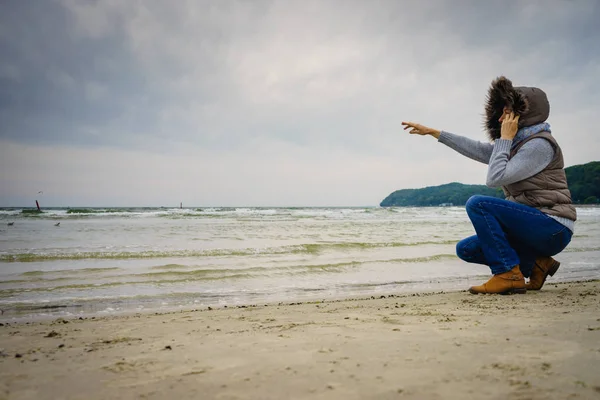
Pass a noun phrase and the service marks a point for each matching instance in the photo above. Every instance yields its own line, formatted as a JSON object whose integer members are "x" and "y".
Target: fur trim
{"x": 502, "y": 94}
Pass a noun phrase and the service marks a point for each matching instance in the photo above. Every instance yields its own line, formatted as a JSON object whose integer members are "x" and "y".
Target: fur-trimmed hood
{"x": 530, "y": 103}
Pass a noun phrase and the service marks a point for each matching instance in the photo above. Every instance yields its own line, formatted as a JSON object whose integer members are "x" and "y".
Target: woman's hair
{"x": 502, "y": 94}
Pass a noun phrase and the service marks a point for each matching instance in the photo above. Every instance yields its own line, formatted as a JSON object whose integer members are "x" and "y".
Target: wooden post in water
{"x": 38, "y": 205}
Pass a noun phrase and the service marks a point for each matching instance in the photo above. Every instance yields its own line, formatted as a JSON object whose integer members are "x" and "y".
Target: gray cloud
{"x": 314, "y": 77}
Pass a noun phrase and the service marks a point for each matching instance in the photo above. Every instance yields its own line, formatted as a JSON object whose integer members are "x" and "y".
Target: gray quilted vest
{"x": 547, "y": 190}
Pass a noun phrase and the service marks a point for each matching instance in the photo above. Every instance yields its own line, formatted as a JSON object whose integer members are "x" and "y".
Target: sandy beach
{"x": 542, "y": 345}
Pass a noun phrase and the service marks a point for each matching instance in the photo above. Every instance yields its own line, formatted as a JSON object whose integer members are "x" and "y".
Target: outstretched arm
{"x": 478, "y": 151}
{"x": 473, "y": 149}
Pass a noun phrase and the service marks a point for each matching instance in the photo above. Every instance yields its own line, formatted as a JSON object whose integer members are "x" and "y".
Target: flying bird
{"x": 57, "y": 224}
{"x": 10, "y": 224}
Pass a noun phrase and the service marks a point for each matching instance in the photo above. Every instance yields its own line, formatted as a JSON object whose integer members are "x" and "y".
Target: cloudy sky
{"x": 273, "y": 103}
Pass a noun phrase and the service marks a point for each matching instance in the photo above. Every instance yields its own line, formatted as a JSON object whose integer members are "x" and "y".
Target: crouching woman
{"x": 518, "y": 236}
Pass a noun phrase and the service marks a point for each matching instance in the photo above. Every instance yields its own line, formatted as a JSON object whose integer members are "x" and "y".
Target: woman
{"x": 515, "y": 237}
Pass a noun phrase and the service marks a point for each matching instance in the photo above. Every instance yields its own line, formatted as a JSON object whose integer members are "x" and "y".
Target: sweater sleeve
{"x": 531, "y": 159}
{"x": 473, "y": 149}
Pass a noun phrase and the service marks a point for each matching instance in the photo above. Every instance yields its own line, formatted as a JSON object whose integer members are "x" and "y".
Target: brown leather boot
{"x": 505, "y": 283}
{"x": 543, "y": 267}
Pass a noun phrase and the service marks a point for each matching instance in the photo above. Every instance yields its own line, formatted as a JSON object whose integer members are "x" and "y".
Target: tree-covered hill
{"x": 584, "y": 183}
{"x": 449, "y": 194}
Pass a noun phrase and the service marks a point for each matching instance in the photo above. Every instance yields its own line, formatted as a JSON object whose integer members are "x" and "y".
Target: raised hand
{"x": 510, "y": 126}
{"x": 418, "y": 129}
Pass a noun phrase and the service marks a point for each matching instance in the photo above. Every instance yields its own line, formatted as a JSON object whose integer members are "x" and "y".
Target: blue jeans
{"x": 510, "y": 234}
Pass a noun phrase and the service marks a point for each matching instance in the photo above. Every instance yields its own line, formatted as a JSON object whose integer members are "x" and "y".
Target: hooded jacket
{"x": 547, "y": 190}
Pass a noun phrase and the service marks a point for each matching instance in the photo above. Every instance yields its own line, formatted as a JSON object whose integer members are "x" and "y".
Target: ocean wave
{"x": 308, "y": 248}
{"x": 76, "y": 300}
{"x": 88, "y": 286}
{"x": 83, "y": 211}
{"x": 169, "y": 266}
{"x": 191, "y": 212}
{"x": 199, "y": 273}
{"x": 297, "y": 212}
{"x": 580, "y": 249}
{"x": 123, "y": 255}
{"x": 10, "y": 212}
{"x": 33, "y": 212}
{"x": 87, "y": 212}
{"x": 203, "y": 275}
{"x": 69, "y": 271}
{"x": 271, "y": 271}
{"x": 39, "y": 278}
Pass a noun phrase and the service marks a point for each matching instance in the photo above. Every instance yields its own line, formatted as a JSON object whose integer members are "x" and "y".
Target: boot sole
{"x": 515, "y": 291}
{"x": 551, "y": 271}
{"x": 509, "y": 291}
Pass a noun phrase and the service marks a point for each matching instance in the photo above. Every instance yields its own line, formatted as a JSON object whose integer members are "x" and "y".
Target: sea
{"x": 70, "y": 262}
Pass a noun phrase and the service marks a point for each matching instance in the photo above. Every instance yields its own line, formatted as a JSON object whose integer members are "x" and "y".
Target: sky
{"x": 273, "y": 103}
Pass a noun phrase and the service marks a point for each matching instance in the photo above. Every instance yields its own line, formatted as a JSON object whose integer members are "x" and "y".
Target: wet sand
{"x": 542, "y": 345}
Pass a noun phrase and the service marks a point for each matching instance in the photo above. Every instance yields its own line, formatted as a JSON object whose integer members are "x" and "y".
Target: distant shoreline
{"x": 13, "y": 208}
